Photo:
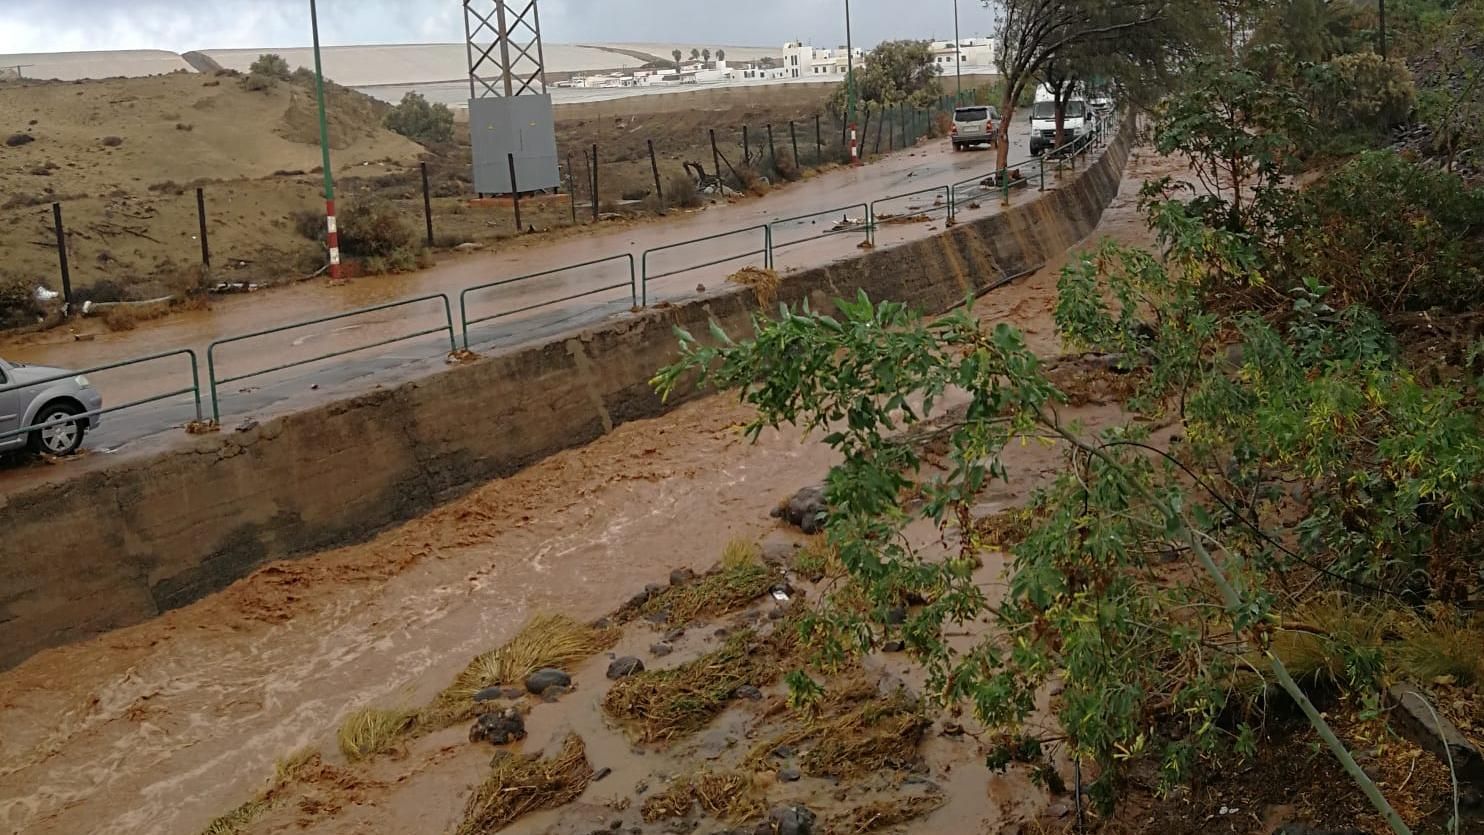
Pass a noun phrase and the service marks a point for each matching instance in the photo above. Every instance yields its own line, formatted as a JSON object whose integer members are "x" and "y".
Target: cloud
{"x": 183, "y": 25}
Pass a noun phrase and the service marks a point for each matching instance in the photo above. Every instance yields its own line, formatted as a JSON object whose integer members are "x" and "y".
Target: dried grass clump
{"x": 1333, "y": 639}
{"x": 545, "y": 641}
{"x": 1446, "y": 651}
{"x": 818, "y": 560}
{"x": 741, "y": 580}
{"x": 853, "y": 729}
{"x": 518, "y": 785}
{"x": 873, "y": 817}
{"x": 741, "y": 553}
{"x": 664, "y": 705}
{"x": 727, "y": 796}
{"x": 881, "y": 733}
{"x": 674, "y": 802}
{"x": 286, "y": 772}
{"x": 371, "y": 731}
{"x": 764, "y": 283}
{"x": 1006, "y": 529}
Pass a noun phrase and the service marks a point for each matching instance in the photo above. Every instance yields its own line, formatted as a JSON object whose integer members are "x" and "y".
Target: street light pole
{"x": 958, "y": 55}
{"x": 332, "y": 232}
{"x": 855, "y": 157}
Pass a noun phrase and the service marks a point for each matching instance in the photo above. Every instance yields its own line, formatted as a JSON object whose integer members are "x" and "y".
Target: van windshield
{"x": 1046, "y": 110}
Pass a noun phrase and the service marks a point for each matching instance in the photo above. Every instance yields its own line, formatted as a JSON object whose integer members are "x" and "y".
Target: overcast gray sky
{"x": 182, "y": 25}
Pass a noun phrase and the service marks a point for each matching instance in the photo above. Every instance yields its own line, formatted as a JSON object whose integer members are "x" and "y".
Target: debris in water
{"x": 519, "y": 785}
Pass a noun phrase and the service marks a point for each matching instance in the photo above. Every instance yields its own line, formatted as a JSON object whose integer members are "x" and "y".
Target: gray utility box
{"x": 519, "y": 125}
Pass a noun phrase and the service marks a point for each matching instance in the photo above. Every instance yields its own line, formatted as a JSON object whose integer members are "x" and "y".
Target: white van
{"x": 1080, "y": 119}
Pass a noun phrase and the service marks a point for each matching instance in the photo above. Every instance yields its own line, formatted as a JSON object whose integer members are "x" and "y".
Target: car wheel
{"x": 57, "y": 436}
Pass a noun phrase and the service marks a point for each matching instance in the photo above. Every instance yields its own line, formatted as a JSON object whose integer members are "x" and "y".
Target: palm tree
{"x": 706, "y": 55}
{"x": 721, "y": 54}
{"x": 695, "y": 54}
{"x": 677, "y": 53}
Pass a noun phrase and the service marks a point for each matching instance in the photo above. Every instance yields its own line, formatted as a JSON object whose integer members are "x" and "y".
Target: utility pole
{"x": 855, "y": 156}
{"x": 332, "y": 232}
{"x": 958, "y": 54}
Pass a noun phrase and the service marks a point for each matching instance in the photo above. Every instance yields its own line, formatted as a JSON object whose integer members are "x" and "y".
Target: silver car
{"x": 974, "y": 126}
{"x": 49, "y": 399}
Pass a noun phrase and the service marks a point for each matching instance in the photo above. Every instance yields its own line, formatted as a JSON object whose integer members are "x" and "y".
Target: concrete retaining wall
{"x": 120, "y": 545}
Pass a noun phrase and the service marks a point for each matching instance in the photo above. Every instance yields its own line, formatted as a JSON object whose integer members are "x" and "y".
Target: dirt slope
{"x": 122, "y": 155}
{"x": 178, "y": 127}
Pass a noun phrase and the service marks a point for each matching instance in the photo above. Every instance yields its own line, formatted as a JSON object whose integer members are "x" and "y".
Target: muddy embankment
{"x": 120, "y": 545}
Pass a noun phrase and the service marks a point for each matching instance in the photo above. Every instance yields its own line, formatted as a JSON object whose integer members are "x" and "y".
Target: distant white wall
{"x": 71, "y": 66}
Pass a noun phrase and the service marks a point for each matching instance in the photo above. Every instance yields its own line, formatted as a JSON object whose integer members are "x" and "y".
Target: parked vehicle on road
{"x": 974, "y": 126}
{"x": 1078, "y": 121}
{"x": 59, "y": 403}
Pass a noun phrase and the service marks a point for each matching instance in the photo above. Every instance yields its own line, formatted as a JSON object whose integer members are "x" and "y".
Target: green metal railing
{"x": 638, "y": 282}
{"x": 194, "y": 389}
{"x": 846, "y": 227}
{"x": 632, "y": 283}
{"x": 646, "y": 277}
{"x": 946, "y": 204}
{"x": 211, "y": 349}
{"x": 1002, "y": 180}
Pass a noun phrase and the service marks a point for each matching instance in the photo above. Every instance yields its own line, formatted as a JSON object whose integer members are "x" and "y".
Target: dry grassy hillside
{"x": 122, "y": 156}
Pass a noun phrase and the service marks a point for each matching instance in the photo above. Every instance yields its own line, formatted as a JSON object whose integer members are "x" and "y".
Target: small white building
{"x": 970, "y": 52}
{"x": 756, "y": 72}
{"x": 802, "y": 60}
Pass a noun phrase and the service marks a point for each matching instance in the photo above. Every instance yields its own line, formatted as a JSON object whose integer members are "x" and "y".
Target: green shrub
{"x": 18, "y": 304}
{"x": 310, "y": 224}
{"x": 420, "y": 121}
{"x": 1391, "y": 234}
{"x": 270, "y": 65}
{"x": 258, "y": 82}
{"x": 371, "y": 228}
{"x": 682, "y": 192}
{"x": 1361, "y": 92}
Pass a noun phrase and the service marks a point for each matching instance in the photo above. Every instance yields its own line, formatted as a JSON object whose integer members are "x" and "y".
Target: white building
{"x": 804, "y": 61}
{"x": 971, "y": 52}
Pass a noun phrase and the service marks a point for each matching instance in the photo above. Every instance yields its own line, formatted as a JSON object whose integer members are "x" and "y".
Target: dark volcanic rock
{"x": 540, "y": 680}
{"x": 624, "y": 667}
{"x": 805, "y": 510}
{"x": 499, "y": 728}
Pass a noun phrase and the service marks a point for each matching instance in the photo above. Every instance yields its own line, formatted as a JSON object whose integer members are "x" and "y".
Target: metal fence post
{"x": 715, "y": 157}
{"x": 595, "y": 182}
{"x": 201, "y": 220}
{"x": 1005, "y": 185}
{"x": 514, "y": 191}
{"x": 62, "y": 257}
{"x": 793, "y": 136}
{"x": 572, "y": 188}
{"x": 772, "y": 150}
{"x": 818, "y": 142}
{"x": 746, "y": 148}
{"x": 427, "y": 204}
{"x": 659, "y": 191}
{"x": 1043, "y": 172}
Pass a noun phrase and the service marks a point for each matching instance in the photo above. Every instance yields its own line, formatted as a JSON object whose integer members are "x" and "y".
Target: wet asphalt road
{"x": 526, "y": 311}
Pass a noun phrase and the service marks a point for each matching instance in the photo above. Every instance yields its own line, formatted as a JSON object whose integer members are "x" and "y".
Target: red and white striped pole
{"x": 855, "y": 148}
{"x": 332, "y": 232}
{"x": 332, "y": 239}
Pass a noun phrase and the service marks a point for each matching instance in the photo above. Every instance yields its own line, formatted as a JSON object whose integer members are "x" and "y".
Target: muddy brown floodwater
{"x": 158, "y": 728}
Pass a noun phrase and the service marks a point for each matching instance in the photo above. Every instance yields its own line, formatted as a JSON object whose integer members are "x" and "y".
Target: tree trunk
{"x": 1007, "y": 117}
{"x": 1061, "y": 123}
